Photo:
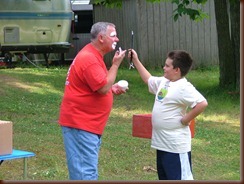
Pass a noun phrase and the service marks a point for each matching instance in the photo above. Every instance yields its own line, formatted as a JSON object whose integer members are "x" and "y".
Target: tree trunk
{"x": 235, "y": 37}
{"x": 227, "y": 62}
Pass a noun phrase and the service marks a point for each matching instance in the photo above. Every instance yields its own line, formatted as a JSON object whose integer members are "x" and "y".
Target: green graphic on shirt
{"x": 162, "y": 93}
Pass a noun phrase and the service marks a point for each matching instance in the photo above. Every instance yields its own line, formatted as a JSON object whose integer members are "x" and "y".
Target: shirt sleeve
{"x": 154, "y": 83}
{"x": 95, "y": 76}
{"x": 192, "y": 96}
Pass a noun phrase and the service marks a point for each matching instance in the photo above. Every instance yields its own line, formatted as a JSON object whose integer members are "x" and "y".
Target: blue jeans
{"x": 82, "y": 149}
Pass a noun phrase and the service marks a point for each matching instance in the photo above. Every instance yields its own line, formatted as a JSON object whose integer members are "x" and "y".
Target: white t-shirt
{"x": 171, "y": 102}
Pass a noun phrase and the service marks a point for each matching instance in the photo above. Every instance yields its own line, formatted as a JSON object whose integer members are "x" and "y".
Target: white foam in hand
{"x": 123, "y": 84}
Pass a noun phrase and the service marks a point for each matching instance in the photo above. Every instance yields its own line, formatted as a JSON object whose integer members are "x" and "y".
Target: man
{"x": 87, "y": 101}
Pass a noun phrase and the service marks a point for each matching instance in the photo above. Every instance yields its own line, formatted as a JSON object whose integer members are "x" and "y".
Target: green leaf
{"x": 176, "y": 16}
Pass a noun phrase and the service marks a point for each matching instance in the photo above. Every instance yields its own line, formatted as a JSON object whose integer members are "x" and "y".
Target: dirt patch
{"x": 11, "y": 81}
{"x": 5, "y": 78}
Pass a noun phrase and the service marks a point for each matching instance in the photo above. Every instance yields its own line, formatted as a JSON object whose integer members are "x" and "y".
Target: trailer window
{"x": 83, "y": 21}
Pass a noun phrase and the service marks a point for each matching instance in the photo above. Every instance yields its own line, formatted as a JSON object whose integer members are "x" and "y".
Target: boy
{"x": 171, "y": 135}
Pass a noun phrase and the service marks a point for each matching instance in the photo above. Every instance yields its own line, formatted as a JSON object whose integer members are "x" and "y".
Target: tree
{"x": 228, "y": 27}
{"x": 227, "y": 14}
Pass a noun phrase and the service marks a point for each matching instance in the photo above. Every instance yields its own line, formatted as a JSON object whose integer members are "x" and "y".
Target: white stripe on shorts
{"x": 186, "y": 173}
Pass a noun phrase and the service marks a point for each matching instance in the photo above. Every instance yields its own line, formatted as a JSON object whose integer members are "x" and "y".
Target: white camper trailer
{"x": 35, "y": 27}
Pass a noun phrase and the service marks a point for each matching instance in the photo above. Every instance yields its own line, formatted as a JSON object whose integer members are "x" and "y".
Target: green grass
{"x": 30, "y": 98}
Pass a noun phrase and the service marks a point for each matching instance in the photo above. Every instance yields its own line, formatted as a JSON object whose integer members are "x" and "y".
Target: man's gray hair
{"x": 99, "y": 27}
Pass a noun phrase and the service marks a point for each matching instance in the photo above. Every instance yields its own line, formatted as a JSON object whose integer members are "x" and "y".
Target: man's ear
{"x": 100, "y": 38}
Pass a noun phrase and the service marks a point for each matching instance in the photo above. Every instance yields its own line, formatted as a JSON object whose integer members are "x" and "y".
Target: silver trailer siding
{"x": 35, "y": 26}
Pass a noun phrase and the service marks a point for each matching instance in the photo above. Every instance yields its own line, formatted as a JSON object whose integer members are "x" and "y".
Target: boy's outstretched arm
{"x": 145, "y": 75}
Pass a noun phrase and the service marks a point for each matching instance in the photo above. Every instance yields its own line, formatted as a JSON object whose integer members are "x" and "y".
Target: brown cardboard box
{"x": 142, "y": 126}
{"x": 6, "y": 137}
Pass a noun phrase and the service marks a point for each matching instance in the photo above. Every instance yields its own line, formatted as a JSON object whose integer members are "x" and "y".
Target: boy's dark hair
{"x": 181, "y": 59}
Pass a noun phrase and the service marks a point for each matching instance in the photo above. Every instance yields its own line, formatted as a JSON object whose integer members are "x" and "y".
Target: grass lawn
{"x": 30, "y": 98}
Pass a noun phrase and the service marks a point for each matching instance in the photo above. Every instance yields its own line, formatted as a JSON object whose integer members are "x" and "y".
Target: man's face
{"x": 111, "y": 38}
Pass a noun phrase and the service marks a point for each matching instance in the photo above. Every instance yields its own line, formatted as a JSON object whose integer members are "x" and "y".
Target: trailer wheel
{"x": 8, "y": 60}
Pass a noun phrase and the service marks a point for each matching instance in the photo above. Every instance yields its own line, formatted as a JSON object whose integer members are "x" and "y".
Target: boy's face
{"x": 170, "y": 72}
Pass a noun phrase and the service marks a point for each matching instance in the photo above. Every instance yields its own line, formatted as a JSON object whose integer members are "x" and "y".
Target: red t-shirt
{"x": 82, "y": 106}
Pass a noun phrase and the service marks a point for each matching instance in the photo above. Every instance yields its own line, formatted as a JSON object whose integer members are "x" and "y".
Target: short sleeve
{"x": 154, "y": 83}
{"x": 192, "y": 96}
